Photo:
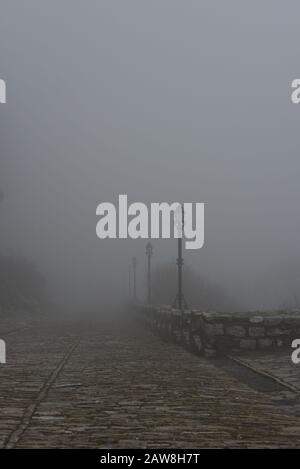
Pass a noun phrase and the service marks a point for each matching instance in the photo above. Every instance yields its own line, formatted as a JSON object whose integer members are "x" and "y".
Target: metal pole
{"x": 149, "y": 252}
{"x": 129, "y": 281}
{"x": 149, "y": 279}
{"x": 180, "y": 264}
{"x": 180, "y": 301}
{"x": 134, "y": 277}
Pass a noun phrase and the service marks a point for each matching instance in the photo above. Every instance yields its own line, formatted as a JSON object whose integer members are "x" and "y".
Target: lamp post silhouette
{"x": 149, "y": 253}
{"x": 179, "y": 301}
{"x": 129, "y": 282}
{"x": 134, "y": 277}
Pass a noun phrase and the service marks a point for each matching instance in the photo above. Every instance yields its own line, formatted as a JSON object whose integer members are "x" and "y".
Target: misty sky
{"x": 163, "y": 100}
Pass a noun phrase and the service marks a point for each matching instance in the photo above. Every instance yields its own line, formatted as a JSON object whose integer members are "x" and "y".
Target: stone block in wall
{"x": 210, "y": 316}
{"x": 256, "y": 319}
{"x": 236, "y": 331}
{"x": 214, "y": 329}
{"x": 197, "y": 342}
{"x": 265, "y": 343}
{"x": 248, "y": 344}
{"x": 273, "y": 320}
{"x": 257, "y": 331}
{"x": 275, "y": 331}
{"x": 226, "y": 318}
{"x": 292, "y": 321}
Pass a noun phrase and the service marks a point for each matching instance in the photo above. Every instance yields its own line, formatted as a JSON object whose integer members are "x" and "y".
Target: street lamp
{"x": 129, "y": 282}
{"x": 134, "y": 277}
{"x": 180, "y": 301}
{"x": 149, "y": 254}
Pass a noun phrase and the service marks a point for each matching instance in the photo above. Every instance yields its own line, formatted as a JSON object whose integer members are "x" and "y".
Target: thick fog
{"x": 163, "y": 100}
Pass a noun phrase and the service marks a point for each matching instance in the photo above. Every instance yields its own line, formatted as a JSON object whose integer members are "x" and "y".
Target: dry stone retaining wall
{"x": 213, "y": 333}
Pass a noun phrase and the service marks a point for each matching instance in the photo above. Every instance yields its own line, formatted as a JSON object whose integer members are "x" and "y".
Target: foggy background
{"x": 163, "y": 100}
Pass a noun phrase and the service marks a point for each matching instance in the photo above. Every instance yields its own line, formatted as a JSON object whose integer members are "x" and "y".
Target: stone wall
{"x": 213, "y": 333}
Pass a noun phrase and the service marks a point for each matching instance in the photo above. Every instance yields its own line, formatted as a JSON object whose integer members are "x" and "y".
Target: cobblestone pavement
{"x": 102, "y": 386}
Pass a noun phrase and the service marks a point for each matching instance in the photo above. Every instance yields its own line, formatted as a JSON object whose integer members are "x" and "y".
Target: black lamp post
{"x": 134, "y": 277}
{"x": 180, "y": 301}
{"x": 129, "y": 282}
{"x": 149, "y": 254}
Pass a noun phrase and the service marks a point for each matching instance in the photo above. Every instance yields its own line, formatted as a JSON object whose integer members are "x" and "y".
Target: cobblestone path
{"x": 103, "y": 386}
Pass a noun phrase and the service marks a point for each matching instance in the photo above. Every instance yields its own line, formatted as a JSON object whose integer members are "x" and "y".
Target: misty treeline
{"x": 22, "y": 286}
{"x": 199, "y": 292}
